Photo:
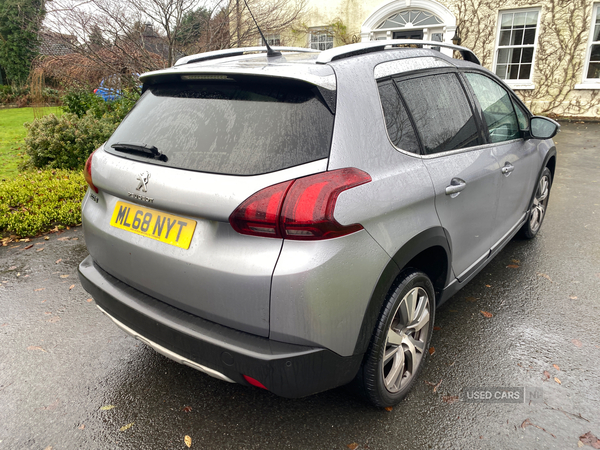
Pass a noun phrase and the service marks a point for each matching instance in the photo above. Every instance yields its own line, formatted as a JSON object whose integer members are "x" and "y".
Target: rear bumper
{"x": 285, "y": 369}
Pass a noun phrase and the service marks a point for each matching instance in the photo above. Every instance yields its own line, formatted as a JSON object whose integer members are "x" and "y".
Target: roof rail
{"x": 236, "y": 52}
{"x": 346, "y": 51}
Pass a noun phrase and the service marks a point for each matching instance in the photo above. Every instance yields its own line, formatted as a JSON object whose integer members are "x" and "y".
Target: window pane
{"x": 515, "y": 55}
{"x": 517, "y": 37}
{"x": 597, "y": 30}
{"x": 525, "y": 72}
{"x": 520, "y": 19}
{"x": 594, "y": 70}
{"x": 513, "y": 72}
{"x": 398, "y": 125}
{"x": 529, "y": 37}
{"x": 441, "y": 112}
{"x": 527, "y": 56}
{"x": 507, "y": 20}
{"x": 595, "y": 56}
{"x": 505, "y": 37}
{"x": 521, "y": 117}
{"x": 531, "y": 18}
{"x": 503, "y": 55}
{"x": 501, "y": 71}
{"x": 496, "y": 106}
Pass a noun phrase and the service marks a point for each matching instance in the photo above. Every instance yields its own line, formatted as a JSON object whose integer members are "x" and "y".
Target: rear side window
{"x": 441, "y": 112}
{"x": 497, "y": 108}
{"x": 398, "y": 125}
{"x": 235, "y": 128}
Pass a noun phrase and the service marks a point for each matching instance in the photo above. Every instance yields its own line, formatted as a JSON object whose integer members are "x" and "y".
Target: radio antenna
{"x": 270, "y": 51}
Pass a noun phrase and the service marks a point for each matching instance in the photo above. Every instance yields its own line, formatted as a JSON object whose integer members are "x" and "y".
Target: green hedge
{"x": 65, "y": 142}
{"x": 38, "y": 201}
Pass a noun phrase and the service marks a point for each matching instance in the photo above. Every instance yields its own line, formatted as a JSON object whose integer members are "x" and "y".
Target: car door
{"x": 518, "y": 159}
{"x": 463, "y": 169}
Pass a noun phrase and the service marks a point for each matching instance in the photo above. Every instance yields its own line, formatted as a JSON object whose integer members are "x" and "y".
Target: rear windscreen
{"x": 228, "y": 127}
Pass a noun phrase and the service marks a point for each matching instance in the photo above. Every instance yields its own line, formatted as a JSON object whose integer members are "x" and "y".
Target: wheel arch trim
{"x": 427, "y": 239}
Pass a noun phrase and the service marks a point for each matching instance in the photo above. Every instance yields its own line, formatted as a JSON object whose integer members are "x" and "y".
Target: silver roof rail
{"x": 236, "y": 52}
{"x": 361, "y": 48}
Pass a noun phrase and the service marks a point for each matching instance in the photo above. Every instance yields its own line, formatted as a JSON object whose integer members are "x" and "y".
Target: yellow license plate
{"x": 167, "y": 228}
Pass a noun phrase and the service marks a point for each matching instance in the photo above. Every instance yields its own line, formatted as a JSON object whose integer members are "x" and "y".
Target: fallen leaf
{"x": 557, "y": 380}
{"x": 527, "y": 423}
{"x": 81, "y": 427}
{"x": 389, "y": 408}
{"x": 471, "y": 299}
{"x": 46, "y": 238}
{"x": 126, "y": 427}
{"x": 71, "y": 287}
{"x": 486, "y": 314}
{"x": 58, "y": 260}
{"x": 188, "y": 441}
{"x": 437, "y": 328}
{"x": 556, "y": 366}
{"x": 431, "y": 350}
{"x": 546, "y": 376}
{"x": 580, "y": 444}
{"x": 90, "y": 299}
{"x": 187, "y": 408}
{"x": 107, "y": 407}
{"x": 64, "y": 276}
{"x": 453, "y": 310}
{"x": 28, "y": 247}
{"x": 589, "y": 439}
{"x": 39, "y": 289}
{"x": 516, "y": 261}
{"x": 63, "y": 239}
{"x": 40, "y": 249}
{"x": 577, "y": 343}
{"x": 48, "y": 448}
{"x": 352, "y": 446}
{"x": 572, "y": 297}
{"x": 545, "y": 276}
{"x": 12, "y": 268}
{"x": 53, "y": 319}
{"x": 488, "y": 285}
{"x": 35, "y": 347}
{"x": 74, "y": 239}
{"x": 449, "y": 399}
{"x": 512, "y": 266}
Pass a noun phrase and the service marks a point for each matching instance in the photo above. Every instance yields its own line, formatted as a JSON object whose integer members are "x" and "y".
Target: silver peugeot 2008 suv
{"x": 292, "y": 222}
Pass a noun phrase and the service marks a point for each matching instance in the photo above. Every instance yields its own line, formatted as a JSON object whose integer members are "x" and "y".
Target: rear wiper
{"x": 140, "y": 150}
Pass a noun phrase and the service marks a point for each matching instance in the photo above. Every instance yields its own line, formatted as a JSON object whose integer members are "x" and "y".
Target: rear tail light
{"x": 300, "y": 209}
{"x": 87, "y": 173}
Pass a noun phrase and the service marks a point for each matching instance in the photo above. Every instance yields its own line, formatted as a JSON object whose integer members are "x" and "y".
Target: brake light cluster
{"x": 300, "y": 209}
{"x": 87, "y": 173}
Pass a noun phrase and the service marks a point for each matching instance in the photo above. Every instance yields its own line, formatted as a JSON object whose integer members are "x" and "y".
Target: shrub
{"x": 10, "y": 94}
{"x": 65, "y": 142}
{"x": 38, "y": 201}
{"x": 84, "y": 102}
{"x": 79, "y": 101}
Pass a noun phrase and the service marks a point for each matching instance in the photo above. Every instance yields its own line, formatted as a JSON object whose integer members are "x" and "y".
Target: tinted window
{"x": 398, "y": 125}
{"x": 441, "y": 112}
{"x": 497, "y": 108}
{"x": 228, "y": 127}
{"x": 521, "y": 117}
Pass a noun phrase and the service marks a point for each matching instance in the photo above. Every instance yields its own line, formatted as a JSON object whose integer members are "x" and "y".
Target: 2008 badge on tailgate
{"x": 167, "y": 228}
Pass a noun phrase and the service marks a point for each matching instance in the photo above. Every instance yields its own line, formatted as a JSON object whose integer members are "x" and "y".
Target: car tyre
{"x": 539, "y": 204}
{"x": 399, "y": 345}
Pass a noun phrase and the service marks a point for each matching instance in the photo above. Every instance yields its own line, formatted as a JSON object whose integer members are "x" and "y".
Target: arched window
{"x": 410, "y": 18}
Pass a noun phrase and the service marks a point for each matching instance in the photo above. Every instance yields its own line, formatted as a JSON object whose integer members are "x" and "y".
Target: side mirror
{"x": 542, "y": 128}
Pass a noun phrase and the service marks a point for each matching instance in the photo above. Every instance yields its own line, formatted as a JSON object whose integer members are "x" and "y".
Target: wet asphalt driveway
{"x": 70, "y": 379}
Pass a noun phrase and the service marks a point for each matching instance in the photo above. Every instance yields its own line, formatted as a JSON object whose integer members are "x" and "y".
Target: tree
{"x": 20, "y": 22}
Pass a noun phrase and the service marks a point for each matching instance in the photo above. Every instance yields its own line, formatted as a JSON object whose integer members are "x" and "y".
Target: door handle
{"x": 456, "y": 185}
{"x": 507, "y": 169}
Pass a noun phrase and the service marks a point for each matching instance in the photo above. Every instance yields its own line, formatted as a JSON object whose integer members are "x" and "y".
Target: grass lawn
{"x": 12, "y": 135}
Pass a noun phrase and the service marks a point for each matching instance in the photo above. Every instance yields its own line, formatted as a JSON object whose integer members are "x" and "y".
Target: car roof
{"x": 303, "y": 64}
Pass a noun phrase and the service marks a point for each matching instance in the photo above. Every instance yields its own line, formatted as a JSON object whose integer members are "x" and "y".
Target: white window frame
{"x": 590, "y": 83}
{"x": 522, "y": 84}
{"x": 270, "y": 38}
{"x": 318, "y": 31}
